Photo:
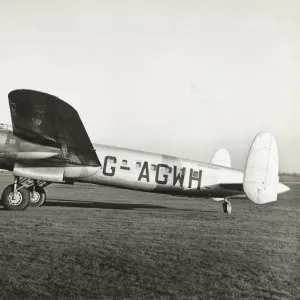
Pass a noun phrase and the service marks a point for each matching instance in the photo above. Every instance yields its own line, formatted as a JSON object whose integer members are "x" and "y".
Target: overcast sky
{"x": 176, "y": 77}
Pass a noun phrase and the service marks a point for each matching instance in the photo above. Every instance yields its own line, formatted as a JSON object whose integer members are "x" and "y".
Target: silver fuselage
{"x": 138, "y": 170}
{"x": 127, "y": 168}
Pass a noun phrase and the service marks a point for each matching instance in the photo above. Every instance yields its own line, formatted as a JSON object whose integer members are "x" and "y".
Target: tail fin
{"x": 221, "y": 158}
{"x": 261, "y": 179}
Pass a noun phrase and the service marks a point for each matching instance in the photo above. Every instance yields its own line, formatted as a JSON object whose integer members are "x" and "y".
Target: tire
{"x": 38, "y": 197}
{"x": 21, "y": 202}
{"x": 227, "y": 207}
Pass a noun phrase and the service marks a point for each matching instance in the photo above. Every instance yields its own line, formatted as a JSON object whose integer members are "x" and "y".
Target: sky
{"x": 175, "y": 77}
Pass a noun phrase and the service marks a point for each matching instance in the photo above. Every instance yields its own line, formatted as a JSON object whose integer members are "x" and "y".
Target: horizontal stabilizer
{"x": 221, "y": 158}
{"x": 261, "y": 179}
{"x": 233, "y": 188}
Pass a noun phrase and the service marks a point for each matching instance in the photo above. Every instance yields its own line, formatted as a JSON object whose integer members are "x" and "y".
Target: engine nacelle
{"x": 53, "y": 174}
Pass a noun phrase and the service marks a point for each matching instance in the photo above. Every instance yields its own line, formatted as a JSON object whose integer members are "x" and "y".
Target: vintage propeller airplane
{"x": 48, "y": 143}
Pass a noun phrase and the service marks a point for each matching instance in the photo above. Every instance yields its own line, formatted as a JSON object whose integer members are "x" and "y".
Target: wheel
{"x": 37, "y": 197}
{"x": 15, "y": 201}
{"x": 227, "y": 207}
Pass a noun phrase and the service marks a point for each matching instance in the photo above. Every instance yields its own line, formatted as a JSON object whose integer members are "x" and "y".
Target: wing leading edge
{"x": 47, "y": 120}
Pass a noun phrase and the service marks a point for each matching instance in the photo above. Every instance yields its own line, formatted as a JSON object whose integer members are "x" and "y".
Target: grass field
{"x": 93, "y": 242}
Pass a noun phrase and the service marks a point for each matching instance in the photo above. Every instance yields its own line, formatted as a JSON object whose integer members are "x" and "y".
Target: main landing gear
{"x": 227, "y": 206}
{"x": 23, "y": 193}
{"x": 37, "y": 196}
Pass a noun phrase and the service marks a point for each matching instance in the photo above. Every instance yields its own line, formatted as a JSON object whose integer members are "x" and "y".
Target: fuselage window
{"x": 153, "y": 167}
{"x": 195, "y": 174}
{"x": 138, "y": 164}
{"x": 124, "y": 162}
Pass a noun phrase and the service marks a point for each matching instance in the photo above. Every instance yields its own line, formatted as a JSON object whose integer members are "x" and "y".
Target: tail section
{"x": 261, "y": 180}
{"x": 221, "y": 158}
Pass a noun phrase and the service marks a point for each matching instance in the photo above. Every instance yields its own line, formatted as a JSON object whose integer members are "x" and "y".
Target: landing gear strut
{"x": 24, "y": 192}
{"x": 36, "y": 189}
{"x": 227, "y": 206}
{"x": 15, "y": 196}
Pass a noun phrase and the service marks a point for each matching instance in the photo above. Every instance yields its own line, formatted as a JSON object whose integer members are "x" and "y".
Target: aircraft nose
{"x": 282, "y": 188}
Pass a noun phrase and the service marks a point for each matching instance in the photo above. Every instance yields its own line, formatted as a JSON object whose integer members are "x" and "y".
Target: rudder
{"x": 261, "y": 174}
{"x": 221, "y": 158}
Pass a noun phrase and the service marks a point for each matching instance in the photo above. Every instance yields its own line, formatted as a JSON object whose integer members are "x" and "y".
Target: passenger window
{"x": 153, "y": 167}
{"x": 138, "y": 164}
{"x": 195, "y": 174}
{"x": 124, "y": 162}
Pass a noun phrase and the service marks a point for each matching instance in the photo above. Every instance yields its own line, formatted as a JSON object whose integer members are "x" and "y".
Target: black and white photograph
{"x": 150, "y": 149}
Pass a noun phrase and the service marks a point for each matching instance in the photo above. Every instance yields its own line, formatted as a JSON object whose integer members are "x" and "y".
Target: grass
{"x": 93, "y": 242}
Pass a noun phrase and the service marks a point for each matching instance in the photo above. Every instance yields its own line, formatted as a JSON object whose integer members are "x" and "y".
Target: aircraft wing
{"x": 49, "y": 121}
